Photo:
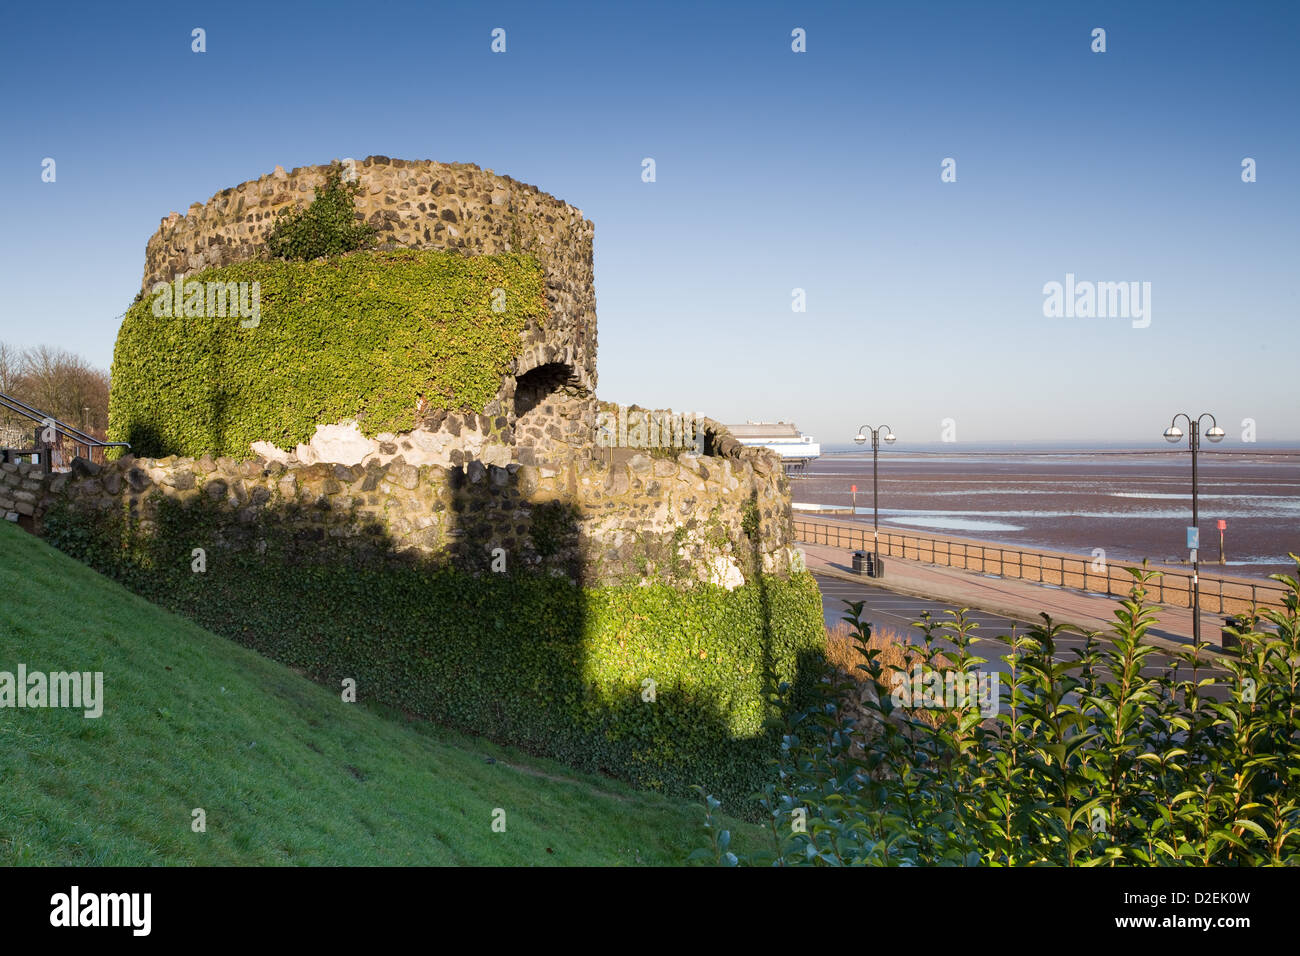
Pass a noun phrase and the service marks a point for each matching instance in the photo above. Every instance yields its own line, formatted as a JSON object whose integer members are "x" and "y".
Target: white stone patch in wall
{"x": 268, "y": 452}
{"x": 426, "y": 447}
{"x": 344, "y": 444}
{"x": 715, "y": 567}
{"x": 724, "y": 571}
{"x": 341, "y": 444}
{"x": 496, "y": 454}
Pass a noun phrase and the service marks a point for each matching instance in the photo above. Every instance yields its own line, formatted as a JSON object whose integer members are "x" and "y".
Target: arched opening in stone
{"x": 537, "y": 385}
{"x": 554, "y": 415}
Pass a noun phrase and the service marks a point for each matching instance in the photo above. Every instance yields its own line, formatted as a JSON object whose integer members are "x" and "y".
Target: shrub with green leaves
{"x": 661, "y": 686}
{"x": 358, "y": 336}
{"x": 329, "y": 226}
{"x": 1089, "y": 761}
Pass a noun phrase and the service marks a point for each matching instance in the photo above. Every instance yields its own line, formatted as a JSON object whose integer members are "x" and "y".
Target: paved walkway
{"x": 892, "y": 611}
{"x": 1013, "y": 598}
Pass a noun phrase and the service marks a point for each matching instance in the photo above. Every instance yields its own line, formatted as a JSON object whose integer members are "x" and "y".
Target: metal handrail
{"x": 76, "y": 434}
{"x": 818, "y": 530}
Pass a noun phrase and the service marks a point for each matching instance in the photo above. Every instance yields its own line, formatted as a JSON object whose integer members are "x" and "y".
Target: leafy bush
{"x": 327, "y": 227}
{"x": 1088, "y": 762}
{"x": 358, "y": 336}
{"x": 526, "y": 659}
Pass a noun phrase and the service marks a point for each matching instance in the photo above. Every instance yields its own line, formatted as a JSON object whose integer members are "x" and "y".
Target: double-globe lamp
{"x": 876, "y": 438}
{"x": 1215, "y": 434}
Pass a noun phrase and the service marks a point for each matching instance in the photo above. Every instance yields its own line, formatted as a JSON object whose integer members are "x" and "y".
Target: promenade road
{"x": 1008, "y": 598}
{"x": 885, "y": 609}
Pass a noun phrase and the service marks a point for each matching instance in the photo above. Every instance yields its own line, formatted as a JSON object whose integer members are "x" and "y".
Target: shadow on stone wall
{"x": 751, "y": 527}
{"x": 476, "y": 638}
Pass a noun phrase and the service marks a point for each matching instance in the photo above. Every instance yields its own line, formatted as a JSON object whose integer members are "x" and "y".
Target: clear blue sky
{"x": 775, "y": 170}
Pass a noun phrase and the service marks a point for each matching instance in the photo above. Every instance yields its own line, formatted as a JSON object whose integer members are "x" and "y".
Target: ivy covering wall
{"x": 663, "y": 686}
{"x": 362, "y": 336}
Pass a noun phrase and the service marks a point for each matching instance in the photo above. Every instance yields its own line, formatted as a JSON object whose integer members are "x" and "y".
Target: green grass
{"x": 286, "y": 772}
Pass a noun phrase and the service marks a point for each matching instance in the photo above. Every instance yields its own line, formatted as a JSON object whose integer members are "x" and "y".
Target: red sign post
{"x": 854, "y": 489}
{"x": 1223, "y": 525}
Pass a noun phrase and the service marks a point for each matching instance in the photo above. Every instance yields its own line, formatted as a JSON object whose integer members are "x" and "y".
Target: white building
{"x": 784, "y": 438}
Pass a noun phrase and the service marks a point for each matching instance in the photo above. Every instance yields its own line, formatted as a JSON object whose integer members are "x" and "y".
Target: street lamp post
{"x": 1215, "y": 434}
{"x": 860, "y": 438}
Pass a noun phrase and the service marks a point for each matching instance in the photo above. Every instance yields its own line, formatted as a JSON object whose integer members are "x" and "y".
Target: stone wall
{"x": 549, "y": 422}
{"x": 26, "y": 491}
{"x": 414, "y": 204}
{"x": 615, "y": 519}
{"x": 553, "y": 421}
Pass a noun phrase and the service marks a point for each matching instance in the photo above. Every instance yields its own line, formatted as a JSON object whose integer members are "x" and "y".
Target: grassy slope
{"x": 286, "y": 772}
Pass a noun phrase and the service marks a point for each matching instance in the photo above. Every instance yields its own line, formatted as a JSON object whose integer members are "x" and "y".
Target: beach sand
{"x": 1133, "y": 506}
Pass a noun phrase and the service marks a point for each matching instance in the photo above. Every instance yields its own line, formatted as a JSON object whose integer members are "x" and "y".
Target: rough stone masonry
{"x": 462, "y": 483}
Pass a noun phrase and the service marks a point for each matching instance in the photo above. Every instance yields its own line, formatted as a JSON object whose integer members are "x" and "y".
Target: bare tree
{"x": 12, "y": 427}
{"x": 11, "y": 365}
{"x": 58, "y": 383}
